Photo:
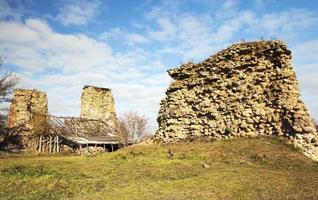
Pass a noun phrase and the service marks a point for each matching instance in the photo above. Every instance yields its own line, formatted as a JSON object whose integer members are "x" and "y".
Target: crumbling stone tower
{"x": 98, "y": 103}
{"x": 29, "y": 109}
{"x": 245, "y": 90}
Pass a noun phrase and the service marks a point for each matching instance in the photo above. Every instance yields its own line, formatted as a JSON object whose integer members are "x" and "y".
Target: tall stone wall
{"x": 98, "y": 104}
{"x": 247, "y": 89}
{"x": 29, "y": 108}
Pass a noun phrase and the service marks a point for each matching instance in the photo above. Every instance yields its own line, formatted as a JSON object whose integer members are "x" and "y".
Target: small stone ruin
{"x": 98, "y": 104}
{"x": 248, "y": 89}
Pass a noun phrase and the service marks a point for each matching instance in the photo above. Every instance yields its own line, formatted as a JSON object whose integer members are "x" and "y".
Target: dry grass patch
{"x": 242, "y": 168}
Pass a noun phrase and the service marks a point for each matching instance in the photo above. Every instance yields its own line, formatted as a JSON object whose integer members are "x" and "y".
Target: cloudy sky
{"x": 59, "y": 46}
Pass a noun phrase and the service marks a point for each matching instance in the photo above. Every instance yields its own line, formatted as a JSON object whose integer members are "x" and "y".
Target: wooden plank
{"x": 40, "y": 144}
{"x": 55, "y": 146}
{"x": 58, "y": 145}
{"x": 47, "y": 146}
{"x": 50, "y": 148}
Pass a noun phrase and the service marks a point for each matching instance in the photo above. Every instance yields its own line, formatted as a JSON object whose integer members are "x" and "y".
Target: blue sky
{"x": 60, "y": 46}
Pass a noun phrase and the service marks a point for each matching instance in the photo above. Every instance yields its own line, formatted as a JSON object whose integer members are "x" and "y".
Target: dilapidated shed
{"x": 78, "y": 133}
{"x": 51, "y": 134}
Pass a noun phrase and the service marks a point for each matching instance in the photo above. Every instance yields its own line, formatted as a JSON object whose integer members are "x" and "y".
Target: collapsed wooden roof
{"x": 74, "y": 127}
{"x": 94, "y": 140}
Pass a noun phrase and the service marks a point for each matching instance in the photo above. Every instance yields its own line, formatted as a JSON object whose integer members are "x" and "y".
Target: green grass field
{"x": 243, "y": 168}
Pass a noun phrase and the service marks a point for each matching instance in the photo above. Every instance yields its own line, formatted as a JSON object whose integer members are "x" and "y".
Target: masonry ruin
{"x": 248, "y": 89}
{"x": 51, "y": 134}
{"x": 29, "y": 109}
{"x": 98, "y": 103}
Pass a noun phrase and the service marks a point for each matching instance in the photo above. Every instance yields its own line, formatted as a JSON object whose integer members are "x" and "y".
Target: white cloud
{"x": 37, "y": 46}
{"x": 261, "y": 3}
{"x": 125, "y": 37}
{"x": 167, "y": 30}
{"x": 76, "y": 60}
{"x": 112, "y": 33}
{"x": 136, "y": 38}
{"x": 7, "y": 12}
{"x": 188, "y": 35}
{"x": 228, "y": 9}
{"x": 285, "y": 24}
{"x": 307, "y": 52}
{"x": 305, "y": 59}
{"x": 195, "y": 36}
{"x": 309, "y": 83}
{"x": 78, "y": 13}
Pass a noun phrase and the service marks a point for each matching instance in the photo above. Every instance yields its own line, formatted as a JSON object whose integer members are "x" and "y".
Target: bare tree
{"x": 131, "y": 128}
{"x": 122, "y": 132}
{"x": 7, "y": 83}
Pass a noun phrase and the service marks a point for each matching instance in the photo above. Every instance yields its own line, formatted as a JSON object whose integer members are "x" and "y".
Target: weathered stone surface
{"x": 98, "y": 104}
{"x": 29, "y": 108}
{"x": 245, "y": 90}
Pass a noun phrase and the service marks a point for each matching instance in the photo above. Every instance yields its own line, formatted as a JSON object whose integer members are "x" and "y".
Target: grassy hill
{"x": 242, "y": 168}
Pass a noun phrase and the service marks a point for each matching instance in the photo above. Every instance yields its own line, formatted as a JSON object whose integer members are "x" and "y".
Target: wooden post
{"x": 50, "y": 149}
{"x": 43, "y": 145}
{"x": 40, "y": 144}
{"x": 53, "y": 145}
{"x": 111, "y": 146}
{"x": 58, "y": 146}
{"x": 47, "y": 145}
{"x": 80, "y": 149}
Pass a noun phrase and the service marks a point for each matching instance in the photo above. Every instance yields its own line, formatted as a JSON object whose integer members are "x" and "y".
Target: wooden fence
{"x": 49, "y": 144}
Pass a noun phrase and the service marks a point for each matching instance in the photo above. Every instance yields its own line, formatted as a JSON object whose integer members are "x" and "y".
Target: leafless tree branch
{"x": 131, "y": 128}
{"x": 7, "y": 83}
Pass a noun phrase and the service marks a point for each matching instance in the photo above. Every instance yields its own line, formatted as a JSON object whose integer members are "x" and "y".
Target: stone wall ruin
{"x": 248, "y": 89}
{"x": 98, "y": 104}
{"x": 29, "y": 109}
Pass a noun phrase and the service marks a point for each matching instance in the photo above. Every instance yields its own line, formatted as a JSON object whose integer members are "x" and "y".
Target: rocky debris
{"x": 248, "y": 89}
{"x": 29, "y": 108}
{"x": 206, "y": 166}
{"x": 170, "y": 153}
{"x": 98, "y": 104}
{"x": 91, "y": 151}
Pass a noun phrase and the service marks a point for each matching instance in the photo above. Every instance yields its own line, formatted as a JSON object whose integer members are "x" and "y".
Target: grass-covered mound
{"x": 242, "y": 168}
